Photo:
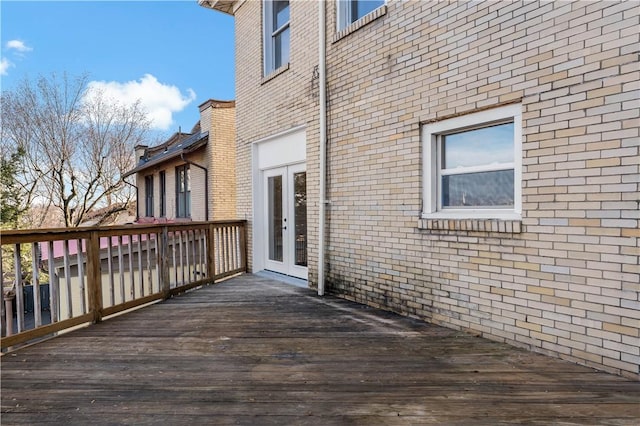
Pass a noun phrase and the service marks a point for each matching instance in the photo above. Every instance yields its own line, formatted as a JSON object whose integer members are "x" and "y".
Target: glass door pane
{"x": 300, "y": 217}
{"x": 274, "y": 201}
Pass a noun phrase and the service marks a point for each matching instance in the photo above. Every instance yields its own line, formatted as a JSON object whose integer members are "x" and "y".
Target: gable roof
{"x": 176, "y": 146}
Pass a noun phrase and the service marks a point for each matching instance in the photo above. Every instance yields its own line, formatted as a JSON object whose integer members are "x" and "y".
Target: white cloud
{"x": 4, "y": 66}
{"x": 159, "y": 100}
{"x": 18, "y": 45}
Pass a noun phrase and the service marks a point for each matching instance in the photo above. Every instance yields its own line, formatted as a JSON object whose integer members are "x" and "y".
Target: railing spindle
{"x": 8, "y": 312}
{"x": 67, "y": 278}
{"x": 83, "y": 305}
{"x": 149, "y": 273}
{"x": 181, "y": 257}
{"x": 160, "y": 244}
{"x": 175, "y": 264}
{"x": 198, "y": 242}
{"x": 35, "y": 285}
{"x": 121, "y": 268}
{"x": 140, "y": 270}
{"x": 112, "y": 290}
{"x": 187, "y": 246}
{"x": 54, "y": 285}
{"x": 132, "y": 275}
{"x": 3, "y": 313}
{"x": 227, "y": 265}
{"x": 19, "y": 289}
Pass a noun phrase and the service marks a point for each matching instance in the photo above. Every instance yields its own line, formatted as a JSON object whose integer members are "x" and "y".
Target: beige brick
{"x": 575, "y": 76}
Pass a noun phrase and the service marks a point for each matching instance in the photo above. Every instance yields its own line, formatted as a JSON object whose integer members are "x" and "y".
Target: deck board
{"x": 255, "y": 351}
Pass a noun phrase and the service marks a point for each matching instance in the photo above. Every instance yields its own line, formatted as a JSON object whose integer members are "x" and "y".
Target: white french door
{"x": 285, "y": 218}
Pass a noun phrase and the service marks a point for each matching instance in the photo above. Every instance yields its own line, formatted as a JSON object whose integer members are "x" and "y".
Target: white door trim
{"x": 282, "y": 149}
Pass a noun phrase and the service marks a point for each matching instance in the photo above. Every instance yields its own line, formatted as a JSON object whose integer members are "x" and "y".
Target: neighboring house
{"x": 191, "y": 176}
{"x": 480, "y": 168}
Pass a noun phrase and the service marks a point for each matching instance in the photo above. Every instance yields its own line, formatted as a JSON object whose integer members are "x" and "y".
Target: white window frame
{"x": 269, "y": 36}
{"x": 183, "y": 194}
{"x": 345, "y": 15}
{"x": 431, "y": 141}
{"x": 148, "y": 196}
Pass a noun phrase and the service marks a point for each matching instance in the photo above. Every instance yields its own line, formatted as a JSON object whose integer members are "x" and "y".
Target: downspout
{"x": 206, "y": 184}
{"x": 322, "y": 85}
{"x": 137, "y": 196}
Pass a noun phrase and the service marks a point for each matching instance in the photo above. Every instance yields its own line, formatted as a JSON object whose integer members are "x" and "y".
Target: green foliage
{"x": 11, "y": 192}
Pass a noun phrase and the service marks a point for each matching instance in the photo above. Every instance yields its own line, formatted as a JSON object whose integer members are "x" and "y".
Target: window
{"x": 349, "y": 11}
{"x": 148, "y": 196}
{"x": 276, "y": 35}
{"x": 473, "y": 165}
{"x": 183, "y": 191}
{"x": 163, "y": 193}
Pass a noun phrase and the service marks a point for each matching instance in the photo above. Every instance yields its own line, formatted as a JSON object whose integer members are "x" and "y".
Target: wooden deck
{"x": 255, "y": 351}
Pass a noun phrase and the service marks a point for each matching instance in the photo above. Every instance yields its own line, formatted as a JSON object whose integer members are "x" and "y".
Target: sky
{"x": 171, "y": 55}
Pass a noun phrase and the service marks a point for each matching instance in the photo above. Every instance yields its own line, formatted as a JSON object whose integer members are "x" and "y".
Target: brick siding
{"x": 565, "y": 280}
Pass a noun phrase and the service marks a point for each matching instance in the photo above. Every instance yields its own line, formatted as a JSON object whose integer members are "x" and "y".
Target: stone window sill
{"x": 275, "y": 73}
{"x": 473, "y": 225}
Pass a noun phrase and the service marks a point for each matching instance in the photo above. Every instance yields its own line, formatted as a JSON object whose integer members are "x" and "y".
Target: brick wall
{"x": 568, "y": 283}
{"x": 564, "y": 280}
{"x": 276, "y": 103}
{"x": 221, "y": 152}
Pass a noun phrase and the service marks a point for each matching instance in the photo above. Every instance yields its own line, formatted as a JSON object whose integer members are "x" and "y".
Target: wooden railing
{"x": 56, "y": 279}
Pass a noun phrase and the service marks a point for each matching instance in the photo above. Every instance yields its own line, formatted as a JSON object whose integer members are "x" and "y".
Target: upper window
{"x": 473, "y": 165}
{"x": 162, "y": 177}
{"x": 183, "y": 191}
{"x": 148, "y": 196}
{"x": 276, "y": 35}
{"x": 349, "y": 11}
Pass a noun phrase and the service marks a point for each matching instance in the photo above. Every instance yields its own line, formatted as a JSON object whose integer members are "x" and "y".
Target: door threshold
{"x": 287, "y": 279}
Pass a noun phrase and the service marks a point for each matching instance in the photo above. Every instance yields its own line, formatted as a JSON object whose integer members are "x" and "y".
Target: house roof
{"x": 224, "y": 6}
{"x": 177, "y": 145}
{"x": 215, "y": 103}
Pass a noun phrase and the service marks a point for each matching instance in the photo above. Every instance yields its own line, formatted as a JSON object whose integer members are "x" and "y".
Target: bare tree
{"x": 77, "y": 144}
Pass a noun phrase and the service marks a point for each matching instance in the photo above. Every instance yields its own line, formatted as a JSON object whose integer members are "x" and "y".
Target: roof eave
{"x": 224, "y": 6}
{"x": 203, "y": 141}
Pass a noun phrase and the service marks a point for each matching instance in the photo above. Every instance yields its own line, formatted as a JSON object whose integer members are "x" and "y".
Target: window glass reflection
{"x": 486, "y": 189}
{"x": 300, "y": 213}
{"x": 478, "y": 147}
{"x": 280, "y": 14}
{"x": 275, "y": 218}
{"x": 362, "y": 7}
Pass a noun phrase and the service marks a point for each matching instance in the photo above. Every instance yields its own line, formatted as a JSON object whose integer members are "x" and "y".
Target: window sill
{"x": 355, "y": 26}
{"x": 506, "y": 226}
{"x": 275, "y": 73}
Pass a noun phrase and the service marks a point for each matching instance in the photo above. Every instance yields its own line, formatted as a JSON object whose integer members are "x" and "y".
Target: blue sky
{"x": 173, "y": 55}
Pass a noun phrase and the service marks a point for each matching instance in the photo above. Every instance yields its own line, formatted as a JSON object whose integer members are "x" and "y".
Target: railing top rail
{"x": 21, "y": 236}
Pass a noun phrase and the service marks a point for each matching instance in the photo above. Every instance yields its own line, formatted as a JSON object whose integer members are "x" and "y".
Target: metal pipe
{"x": 322, "y": 86}
{"x": 137, "y": 197}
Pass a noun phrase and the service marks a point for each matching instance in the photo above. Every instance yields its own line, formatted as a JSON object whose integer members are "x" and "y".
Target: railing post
{"x": 211, "y": 252}
{"x": 243, "y": 246}
{"x": 94, "y": 276}
{"x": 163, "y": 262}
